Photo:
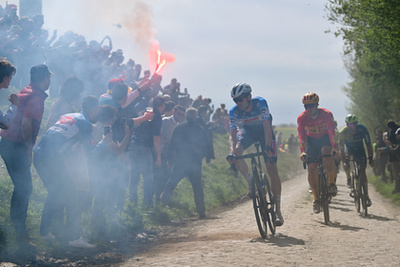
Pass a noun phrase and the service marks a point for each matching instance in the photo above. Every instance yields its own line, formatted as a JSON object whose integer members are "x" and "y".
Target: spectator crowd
{"x": 110, "y": 127}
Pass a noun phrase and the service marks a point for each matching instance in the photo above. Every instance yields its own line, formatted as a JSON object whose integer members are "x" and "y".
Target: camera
{"x": 107, "y": 129}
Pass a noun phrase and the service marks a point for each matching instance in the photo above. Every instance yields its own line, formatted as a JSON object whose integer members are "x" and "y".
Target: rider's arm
{"x": 332, "y": 131}
{"x": 370, "y": 152}
{"x": 302, "y": 134}
{"x": 267, "y": 133}
{"x": 368, "y": 143}
{"x": 232, "y": 140}
{"x": 234, "y": 129}
{"x": 341, "y": 142}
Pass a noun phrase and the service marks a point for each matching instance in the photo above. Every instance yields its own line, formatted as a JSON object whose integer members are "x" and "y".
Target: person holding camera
{"x": 106, "y": 177}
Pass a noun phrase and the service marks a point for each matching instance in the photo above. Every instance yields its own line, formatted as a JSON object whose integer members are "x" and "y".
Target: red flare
{"x": 158, "y": 58}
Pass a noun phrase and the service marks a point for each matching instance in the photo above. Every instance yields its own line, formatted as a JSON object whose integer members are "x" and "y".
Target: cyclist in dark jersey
{"x": 250, "y": 121}
{"x": 352, "y": 138}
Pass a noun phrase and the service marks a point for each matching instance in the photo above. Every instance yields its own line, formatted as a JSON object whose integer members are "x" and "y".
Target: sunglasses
{"x": 306, "y": 106}
{"x": 239, "y": 99}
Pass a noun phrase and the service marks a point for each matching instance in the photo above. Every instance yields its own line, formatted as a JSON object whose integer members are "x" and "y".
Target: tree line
{"x": 371, "y": 33}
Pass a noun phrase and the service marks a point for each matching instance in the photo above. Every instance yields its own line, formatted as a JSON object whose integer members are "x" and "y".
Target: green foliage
{"x": 385, "y": 189}
{"x": 371, "y": 32}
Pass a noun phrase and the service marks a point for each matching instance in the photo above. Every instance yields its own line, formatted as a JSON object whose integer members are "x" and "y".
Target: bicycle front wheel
{"x": 324, "y": 196}
{"x": 259, "y": 205}
{"x": 357, "y": 193}
{"x": 363, "y": 196}
{"x": 270, "y": 205}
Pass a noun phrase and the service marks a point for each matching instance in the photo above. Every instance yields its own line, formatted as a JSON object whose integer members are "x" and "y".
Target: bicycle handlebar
{"x": 248, "y": 156}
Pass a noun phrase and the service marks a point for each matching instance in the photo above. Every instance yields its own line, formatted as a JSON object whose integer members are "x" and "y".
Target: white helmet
{"x": 240, "y": 89}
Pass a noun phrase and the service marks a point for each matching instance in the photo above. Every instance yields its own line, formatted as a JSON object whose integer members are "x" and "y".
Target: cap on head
{"x": 351, "y": 118}
{"x": 39, "y": 72}
{"x": 240, "y": 89}
{"x": 11, "y": 7}
{"x": 310, "y": 98}
{"x": 114, "y": 82}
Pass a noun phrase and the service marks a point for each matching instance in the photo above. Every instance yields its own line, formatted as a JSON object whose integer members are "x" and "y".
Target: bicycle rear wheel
{"x": 270, "y": 205}
{"x": 259, "y": 205}
{"x": 324, "y": 196}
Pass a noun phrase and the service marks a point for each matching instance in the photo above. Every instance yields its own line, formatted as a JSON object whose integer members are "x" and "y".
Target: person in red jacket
{"x": 17, "y": 142}
{"x": 317, "y": 135}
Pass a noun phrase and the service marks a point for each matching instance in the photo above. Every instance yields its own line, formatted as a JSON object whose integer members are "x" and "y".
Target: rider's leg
{"x": 276, "y": 188}
{"x": 364, "y": 174}
{"x": 313, "y": 179}
{"x": 329, "y": 164}
{"x": 241, "y": 164}
{"x": 276, "y": 185}
{"x": 347, "y": 171}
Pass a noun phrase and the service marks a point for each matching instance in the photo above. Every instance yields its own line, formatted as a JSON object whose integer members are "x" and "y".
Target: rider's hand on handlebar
{"x": 304, "y": 157}
{"x": 229, "y": 158}
{"x": 371, "y": 161}
{"x": 268, "y": 151}
{"x": 345, "y": 166}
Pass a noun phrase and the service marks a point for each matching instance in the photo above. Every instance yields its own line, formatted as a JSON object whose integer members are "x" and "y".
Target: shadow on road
{"x": 340, "y": 208}
{"x": 379, "y": 218}
{"x": 280, "y": 240}
{"x": 345, "y": 227}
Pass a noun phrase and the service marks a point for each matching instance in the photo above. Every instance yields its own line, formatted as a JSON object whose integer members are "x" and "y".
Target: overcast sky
{"x": 279, "y": 47}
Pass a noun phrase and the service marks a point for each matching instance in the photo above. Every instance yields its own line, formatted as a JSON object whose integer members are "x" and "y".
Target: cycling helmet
{"x": 240, "y": 89}
{"x": 351, "y": 118}
{"x": 310, "y": 98}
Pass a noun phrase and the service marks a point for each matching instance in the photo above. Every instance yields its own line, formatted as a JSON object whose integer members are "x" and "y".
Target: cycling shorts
{"x": 247, "y": 137}
{"x": 360, "y": 157}
{"x": 314, "y": 147}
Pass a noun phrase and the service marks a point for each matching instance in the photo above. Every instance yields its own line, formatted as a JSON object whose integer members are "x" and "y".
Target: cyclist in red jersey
{"x": 317, "y": 134}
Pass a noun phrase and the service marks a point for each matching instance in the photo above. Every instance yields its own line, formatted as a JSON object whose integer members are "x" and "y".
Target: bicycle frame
{"x": 263, "y": 205}
{"x": 358, "y": 184}
{"x": 323, "y": 194}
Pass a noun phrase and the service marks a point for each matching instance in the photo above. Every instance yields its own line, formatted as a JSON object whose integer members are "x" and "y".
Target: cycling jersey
{"x": 354, "y": 142}
{"x": 323, "y": 125}
{"x": 251, "y": 127}
{"x": 251, "y": 120}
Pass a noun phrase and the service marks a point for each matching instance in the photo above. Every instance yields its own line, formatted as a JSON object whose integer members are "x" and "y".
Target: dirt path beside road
{"x": 231, "y": 238}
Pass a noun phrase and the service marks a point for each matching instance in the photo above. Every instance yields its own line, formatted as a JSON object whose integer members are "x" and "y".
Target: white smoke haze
{"x": 275, "y": 46}
{"x": 140, "y": 24}
{"x": 129, "y": 23}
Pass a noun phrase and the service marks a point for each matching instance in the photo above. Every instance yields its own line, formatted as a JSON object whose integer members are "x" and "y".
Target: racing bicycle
{"x": 358, "y": 188}
{"x": 263, "y": 203}
{"x": 323, "y": 184}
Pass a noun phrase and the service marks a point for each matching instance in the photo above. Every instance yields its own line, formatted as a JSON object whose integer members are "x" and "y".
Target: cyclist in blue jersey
{"x": 250, "y": 121}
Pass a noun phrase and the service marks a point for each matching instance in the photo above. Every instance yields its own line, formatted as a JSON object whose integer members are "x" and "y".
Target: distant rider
{"x": 353, "y": 136}
{"x": 317, "y": 134}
